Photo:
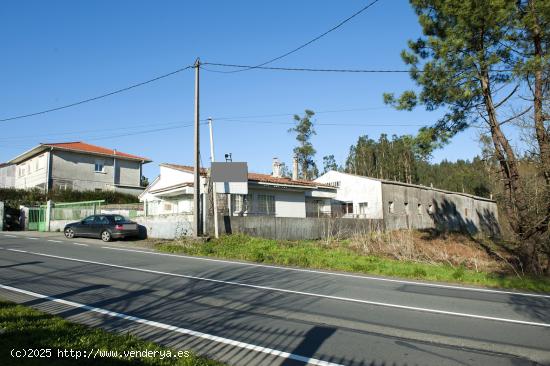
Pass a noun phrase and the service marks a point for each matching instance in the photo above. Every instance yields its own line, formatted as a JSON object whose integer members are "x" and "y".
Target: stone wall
{"x": 415, "y": 207}
{"x": 166, "y": 226}
{"x": 158, "y": 227}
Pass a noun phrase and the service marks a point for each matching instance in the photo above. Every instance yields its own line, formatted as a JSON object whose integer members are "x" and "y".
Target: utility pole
{"x": 197, "y": 179}
{"x": 214, "y": 196}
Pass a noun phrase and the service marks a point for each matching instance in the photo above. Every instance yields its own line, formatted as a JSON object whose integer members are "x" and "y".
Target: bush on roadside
{"x": 15, "y": 197}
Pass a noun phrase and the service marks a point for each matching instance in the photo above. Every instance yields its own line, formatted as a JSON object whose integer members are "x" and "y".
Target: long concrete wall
{"x": 167, "y": 226}
{"x": 408, "y": 206}
{"x": 158, "y": 227}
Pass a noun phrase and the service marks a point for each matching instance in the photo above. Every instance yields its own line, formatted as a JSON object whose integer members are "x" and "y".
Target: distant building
{"x": 272, "y": 195}
{"x": 7, "y": 176}
{"x": 78, "y": 166}
{"x": 409, "y": 206}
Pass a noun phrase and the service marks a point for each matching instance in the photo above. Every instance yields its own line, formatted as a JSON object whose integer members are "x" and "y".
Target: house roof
{"x": 169, "y": 188}
{"x": 184, "y": 168}
{"x": 78, "y": 146}
{"x": 266, "y": 178}
{"x": 257, "y": 177}
{"x": 418, "y": 186}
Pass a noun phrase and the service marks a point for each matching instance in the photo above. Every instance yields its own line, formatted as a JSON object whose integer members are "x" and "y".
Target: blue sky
{"x": 58, "y": 52}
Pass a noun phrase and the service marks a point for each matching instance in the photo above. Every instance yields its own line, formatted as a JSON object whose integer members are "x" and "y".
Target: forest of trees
{"x": 401, "y": 158}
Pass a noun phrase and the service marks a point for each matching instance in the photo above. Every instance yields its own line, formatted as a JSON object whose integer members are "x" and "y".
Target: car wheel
{"x": 106, "y": 236}
{"x": 69, "y": 233}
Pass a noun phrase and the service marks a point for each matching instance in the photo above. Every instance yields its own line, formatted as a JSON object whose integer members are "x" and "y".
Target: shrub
{"x": 15, "y": 197}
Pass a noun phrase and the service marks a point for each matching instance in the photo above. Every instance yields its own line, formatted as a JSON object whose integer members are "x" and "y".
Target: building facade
{"x": 78, "y": 166}
{"x": 409, "y": 206}
{"x": 7, "y": 176}
{"x": 271, "y": 195}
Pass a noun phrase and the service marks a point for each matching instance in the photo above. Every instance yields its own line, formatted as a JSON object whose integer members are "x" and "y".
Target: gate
{"x": 37, "y": 218}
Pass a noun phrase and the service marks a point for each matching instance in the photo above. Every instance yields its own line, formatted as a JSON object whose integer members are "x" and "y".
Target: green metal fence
{"x": 75, "y": 210}
{"x": 37, "y": 218}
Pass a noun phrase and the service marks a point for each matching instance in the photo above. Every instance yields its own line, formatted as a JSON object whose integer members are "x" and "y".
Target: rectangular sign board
{"x": 230, "y": 177}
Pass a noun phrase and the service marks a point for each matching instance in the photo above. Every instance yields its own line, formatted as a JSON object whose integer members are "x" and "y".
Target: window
{"x": 102, "y": 220}
{"x": 241, "y": 202}
{"x": 347, "y": 208}
{"x": 363, "y": 208}
{"x": 266, "y": 204}
{"x": 119, "y": 218}
{"x": 89, "y": 220}
{"x": 406, "y": 204}
{"x": 99, "y": 166}
{"x": 40, "y": 162}
{"x": 419, "y": 209}
{"x": 391, "y": 208}
{"x": 62, "y": 185}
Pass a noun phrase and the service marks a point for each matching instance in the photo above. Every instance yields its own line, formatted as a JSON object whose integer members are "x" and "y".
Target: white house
{"x": 78, "y": 166}
{"x": 356, "y": 196}
{"x": 406, "y": 206}
{"x": 273, "y": 195}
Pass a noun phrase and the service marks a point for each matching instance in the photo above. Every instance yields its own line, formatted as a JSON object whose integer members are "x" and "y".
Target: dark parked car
{"x": 106, "y": 227}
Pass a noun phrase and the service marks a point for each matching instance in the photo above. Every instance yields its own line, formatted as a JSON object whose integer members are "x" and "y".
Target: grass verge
{"x": 24, "y": 328}
{"x": 343, "y": 257}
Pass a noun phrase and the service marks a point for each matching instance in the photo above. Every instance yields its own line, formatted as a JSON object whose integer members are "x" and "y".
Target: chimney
{"x": 294, "y": 168}
{"x": 276, "y": 169}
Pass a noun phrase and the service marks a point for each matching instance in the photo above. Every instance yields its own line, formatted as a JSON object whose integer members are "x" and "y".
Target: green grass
{"x": 22, "y": 327}
{"x": 313, "y": 254}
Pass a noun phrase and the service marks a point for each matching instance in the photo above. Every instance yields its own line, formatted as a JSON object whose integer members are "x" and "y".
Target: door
{"x": 85, "y": 227}
{"x": 37, "y": 219}
{"x": 101, "y": 222}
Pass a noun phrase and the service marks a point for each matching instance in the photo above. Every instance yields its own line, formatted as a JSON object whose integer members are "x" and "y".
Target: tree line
{"x": 484, "y": 63}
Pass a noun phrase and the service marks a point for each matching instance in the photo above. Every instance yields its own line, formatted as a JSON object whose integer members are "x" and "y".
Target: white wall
{"x": 357, "y": 190}
{"x": 32, "y": 172}
{"x": 7, "y": 176}
{"x": 290, "y": 204}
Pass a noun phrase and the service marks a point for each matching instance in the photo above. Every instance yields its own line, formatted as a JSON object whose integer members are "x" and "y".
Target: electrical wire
{"x": 356, "y": 71}
{"x": 176, "y": 124}
{"x": 328, "y": 123}
{"x": 308, "y": 69}
{"x": 97, "y": 97}
{"x": 106, "y": 137}
{"x": 292, "y": 114}
{"x": 81, "y": 132}
{"x": 309, "y": 42}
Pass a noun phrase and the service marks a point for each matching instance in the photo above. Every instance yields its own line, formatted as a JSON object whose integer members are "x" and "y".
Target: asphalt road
{"x": 246, "y": 314}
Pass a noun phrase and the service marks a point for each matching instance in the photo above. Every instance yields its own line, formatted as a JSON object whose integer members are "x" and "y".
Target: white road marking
{"x": 31, "y": 238}
{"x": 415, "y": 283}
{"x": 173, "y": 328}
{"x": 10, "y": 236}
{"x": 84, "y": 245}
{"x": 55, "y": 241}
{"x": 275, "y": 289}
